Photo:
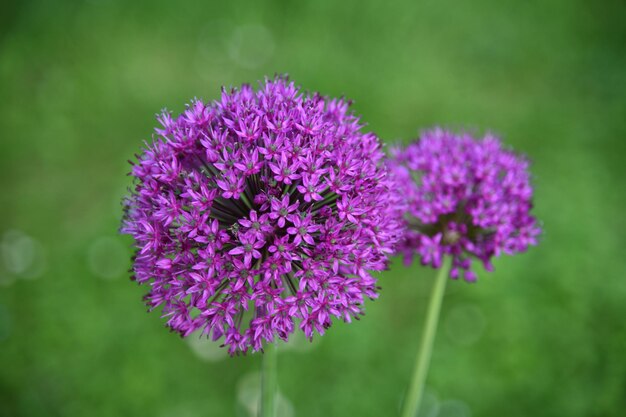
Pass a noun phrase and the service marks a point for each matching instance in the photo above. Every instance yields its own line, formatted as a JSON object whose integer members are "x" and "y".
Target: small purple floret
{"x": 260, "y": 212}
{"x": 465, "y": 198}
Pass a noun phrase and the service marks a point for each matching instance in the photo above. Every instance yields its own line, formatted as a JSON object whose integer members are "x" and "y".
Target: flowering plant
{"x": 466, "y": 198}
{"x": 260, "y": 212}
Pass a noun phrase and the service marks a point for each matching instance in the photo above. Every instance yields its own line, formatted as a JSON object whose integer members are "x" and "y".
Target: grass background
{"x": 80, "y": 83}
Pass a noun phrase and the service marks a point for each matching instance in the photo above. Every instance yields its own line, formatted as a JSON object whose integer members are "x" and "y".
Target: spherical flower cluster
{"x": 466, "y": 199}
{"x": 261, "y": 212}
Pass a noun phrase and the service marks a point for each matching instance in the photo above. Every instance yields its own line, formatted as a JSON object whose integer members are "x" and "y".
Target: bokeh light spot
{"x": 249, "y": 397}
{"x": 454, "y": 408}
{"x": 22, "y": 255}
{"x": 251, "y": 46}
{"x": 206, "y": 349}
{"x": 465, "y": 324}
{"x": 107, "y": 258}
{"x": 429, "y": 406}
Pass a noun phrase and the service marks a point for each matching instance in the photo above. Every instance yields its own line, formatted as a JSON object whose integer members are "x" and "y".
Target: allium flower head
{"x": 469, "y": 199}
{"x": 260, "y": 212}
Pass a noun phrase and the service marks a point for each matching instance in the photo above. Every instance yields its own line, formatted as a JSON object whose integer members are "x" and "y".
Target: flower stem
{"x": 416, "y": 387}
{"x": 269, "y": 381}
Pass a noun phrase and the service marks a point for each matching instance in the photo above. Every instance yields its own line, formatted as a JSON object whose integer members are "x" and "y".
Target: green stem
{"x": 269, "y": 381}
{"x": 416, "y": 387}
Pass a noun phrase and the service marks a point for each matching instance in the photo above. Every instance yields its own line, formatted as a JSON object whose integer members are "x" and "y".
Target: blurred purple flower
{"x": 261, "y": 212}
{"x": 465, "y": 198}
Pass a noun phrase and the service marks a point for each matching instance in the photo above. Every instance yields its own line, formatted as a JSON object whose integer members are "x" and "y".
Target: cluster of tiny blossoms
{"x": 466, "y": 198}
{"x": 261, "y": 212}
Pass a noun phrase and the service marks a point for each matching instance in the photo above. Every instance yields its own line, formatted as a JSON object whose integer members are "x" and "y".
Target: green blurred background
{"x": 80, "y": 83}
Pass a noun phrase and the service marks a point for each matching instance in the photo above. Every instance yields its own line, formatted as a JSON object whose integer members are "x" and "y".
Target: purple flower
{"x": 260, "y": 213}
{"x": 302, "y": 229}
{"x": 466, "y": 198}
{"x": 248, "y": 247}
{"x": 281, "y": 209}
